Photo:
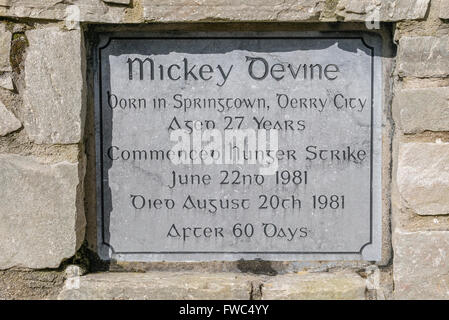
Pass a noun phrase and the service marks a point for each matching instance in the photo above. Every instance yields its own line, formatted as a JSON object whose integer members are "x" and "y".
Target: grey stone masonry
{"x": 306, "y": 286}
{"x": 426, "y": 109}
{"x": 6, "y": 81}
{"x": 54, "y": 90}
{"x": 157, "y": 286}
{"x": 5, "y": 46}
{"x": 8, "y": 122}
{"x": 385, "y": 10}
{"x": 273, "y": 10}
{"x": 423, "y": 177}
{"x": 195, "y": 285}
{"x": 117, "y": 11}
{"x": 78, "y": 10}
{"x": 444, "y": 9}
{"x": 48, "y": 142}
{"x": 423, "y": 56}
{"x": 233, "y": 10}
{"x": 42, "y": 223}
{"x": 421, "y": 264}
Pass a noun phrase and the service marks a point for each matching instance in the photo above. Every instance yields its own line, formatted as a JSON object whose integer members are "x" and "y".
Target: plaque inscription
{"x": 223, "y": 147}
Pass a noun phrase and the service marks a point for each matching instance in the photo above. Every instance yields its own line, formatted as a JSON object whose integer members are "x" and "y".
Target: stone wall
{"x": 47, "y": 153}
{"x": 420, "y": 188}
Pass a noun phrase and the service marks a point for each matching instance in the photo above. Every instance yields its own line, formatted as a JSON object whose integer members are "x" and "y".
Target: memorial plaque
{"x": 239, "y": 146}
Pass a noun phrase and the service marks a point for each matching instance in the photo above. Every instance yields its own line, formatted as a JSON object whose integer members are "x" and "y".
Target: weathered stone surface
{"x": 157, "y": 286}
{"x": 419, "y": 110}
{"x": 6, "y": 81}
{"x": 302, "y": 286}
{"x": 111, "y": 11}
{"x": 306, "y": 10}
{"x": 233, "y": 10}
{"x": 444, "y": 9}
{"x": 8, "y": 122}
{"x": 79, "y": 10}
{"x": 385, "y": 10}
{"x": 43, "y": 9}
{"x": 54, "y": 94}
{"x": 421, "y": 264}
{"x": 42, "y": 219}
{"x": 423, "y": 56}
{"x": 423, "y": 177}
{"x": 5, "y": 46}
{"x": 118, "y": 1}
{"x": 30, "y": 284}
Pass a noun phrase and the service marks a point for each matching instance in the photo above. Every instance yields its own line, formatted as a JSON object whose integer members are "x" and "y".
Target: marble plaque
{"x": 238, "y": 146}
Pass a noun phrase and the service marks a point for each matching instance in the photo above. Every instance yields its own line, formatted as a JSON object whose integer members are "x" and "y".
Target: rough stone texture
{"x": 232, "y": 10}
{"x": 307, "y": 286}
{"x": 30, "y": 285}
{"x": 423, "y": 56}
{"x": 79, "y": 10}
{"x": 8, "y": 122}
{"x": 54, "y": 93}
{"x": 115, "y": 11}
{"x": 157, "y": 286}
{"x": 444, "y": 9}
{"x": 6, "y": 81}
{"x": 423, "y": 177}
{"x": 421, "y": 265}
{"x": 382, "y": 10}
{"x": 419, "y": 110}
{"x": 118, "y": 1}
{"x": 420, "y": 262}
{"x": 379, "y": 282}
{"x": 305, "y": 10}
{"x": 5, "y": 46}
{"x": 42, "y": 221}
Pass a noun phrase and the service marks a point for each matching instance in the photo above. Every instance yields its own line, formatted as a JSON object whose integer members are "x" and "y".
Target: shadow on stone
{"x": 256, "y": 267}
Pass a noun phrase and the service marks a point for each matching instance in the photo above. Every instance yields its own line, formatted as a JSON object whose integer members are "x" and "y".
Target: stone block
{"x": 444, "y": 9}
{"x": 114, "y": 11}
{"x": 423, "y": 177}
{"x": 6, "y": 81}
{"x": 78, "y": 10}
{"x": 425, "y": 56}
{"x": 385, "y": 10}
{"x": 234, "y": 10}
{"x": 5, "y": 46}
{"x": 157, "y": 286}
{"x": 54, "y": 92}
{"x": 313, "y": 286}
{"x": 8, "y": 122}
{"x": 421, "y": 265}
{"x": 421, "y": 110}
{"x": 42, "y": 216}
